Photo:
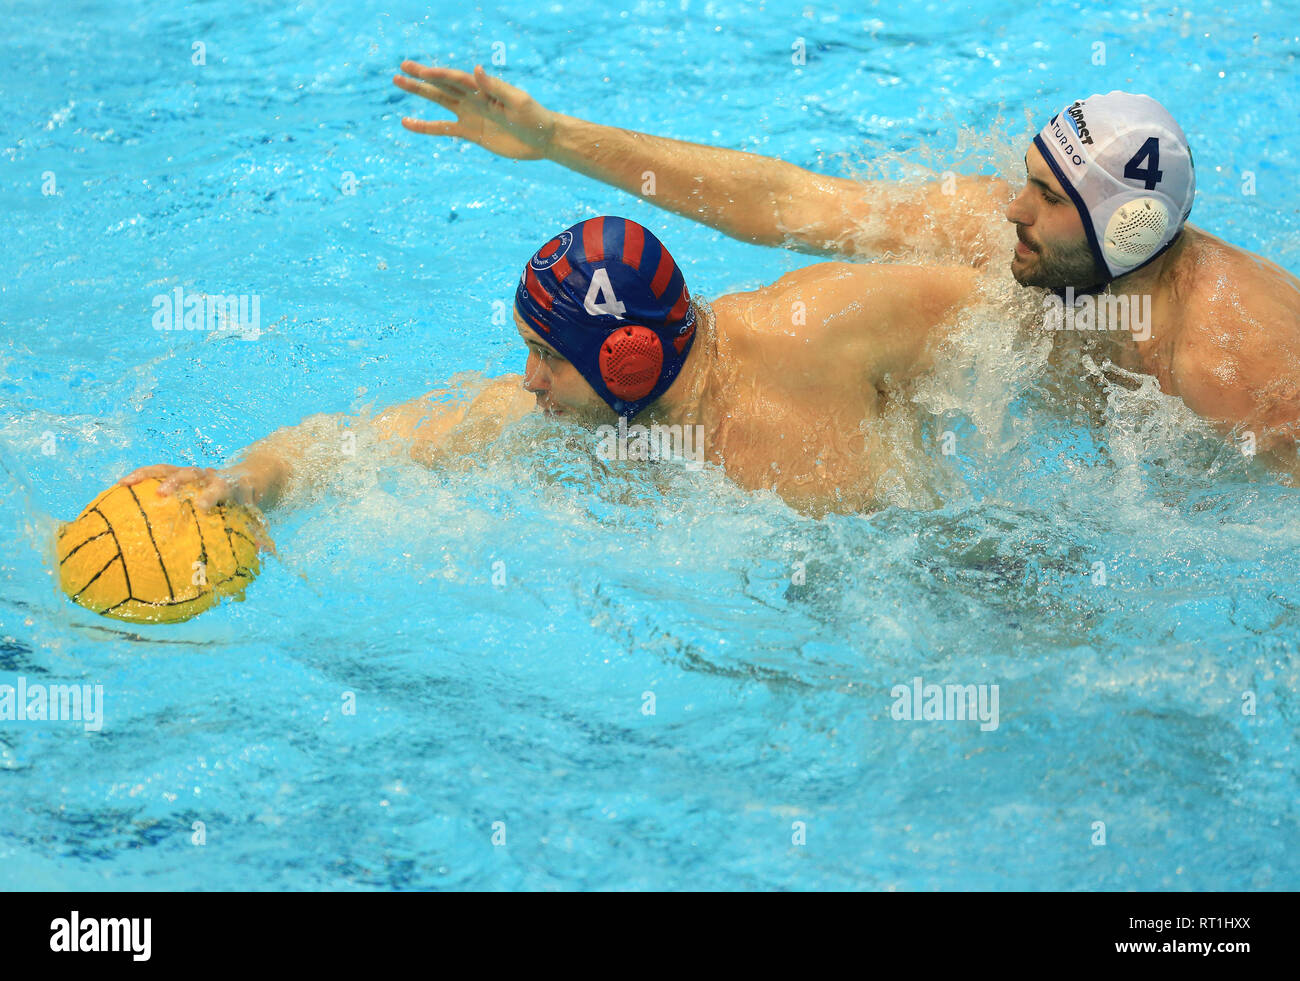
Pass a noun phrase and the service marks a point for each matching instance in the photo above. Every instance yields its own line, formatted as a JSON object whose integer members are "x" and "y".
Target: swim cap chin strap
{"x": 608, "y": 296}
{"x": 1125, "y": 164}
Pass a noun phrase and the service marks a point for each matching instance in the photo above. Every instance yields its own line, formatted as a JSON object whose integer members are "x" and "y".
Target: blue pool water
{"x": 523, "y": 703}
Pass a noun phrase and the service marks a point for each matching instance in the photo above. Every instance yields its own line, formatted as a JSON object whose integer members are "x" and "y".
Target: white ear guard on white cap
{"x": 1125, "y": 164}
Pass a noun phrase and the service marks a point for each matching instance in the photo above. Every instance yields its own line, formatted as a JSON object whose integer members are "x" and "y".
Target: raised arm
{"x": 749, "y": 197}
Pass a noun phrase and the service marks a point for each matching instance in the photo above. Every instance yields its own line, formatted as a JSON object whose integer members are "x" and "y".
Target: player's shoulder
{"x": 470, "y": 388}
{"x": 1234, "y": 301}
{"x": 855, "y": 290}
{"x": 468, "y": 395}
{"x": 503, "y": 392}
{"x": 1234, "y": 346}
{"x": 802, "y": 300}
{"x": 811, "y": 276}
{"x": 824, "y": 278}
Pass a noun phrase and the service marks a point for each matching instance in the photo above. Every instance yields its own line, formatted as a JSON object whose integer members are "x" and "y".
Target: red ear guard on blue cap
{"x": 608, "y": 296}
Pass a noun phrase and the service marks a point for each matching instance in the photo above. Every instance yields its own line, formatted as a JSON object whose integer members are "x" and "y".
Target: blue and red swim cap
{"x": 608, "y": 296}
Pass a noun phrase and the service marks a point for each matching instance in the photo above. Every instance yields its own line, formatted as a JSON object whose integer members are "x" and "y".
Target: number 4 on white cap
{"x": 600, "y": 296}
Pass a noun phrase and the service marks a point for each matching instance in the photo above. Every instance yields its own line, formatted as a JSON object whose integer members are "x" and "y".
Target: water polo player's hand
{"x": 209, "y": 487}
{"x": 492, "y": 113}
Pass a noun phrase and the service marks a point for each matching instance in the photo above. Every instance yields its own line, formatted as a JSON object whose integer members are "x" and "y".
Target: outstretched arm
{"x": 449, "y": 420}
{"x": 749, "y": 197}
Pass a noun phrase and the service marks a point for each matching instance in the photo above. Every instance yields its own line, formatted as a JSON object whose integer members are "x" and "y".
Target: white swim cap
{"x": 1126, "y": 165}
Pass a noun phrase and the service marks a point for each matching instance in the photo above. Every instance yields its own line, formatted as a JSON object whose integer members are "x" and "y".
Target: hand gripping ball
{"x": 136, "y": 556}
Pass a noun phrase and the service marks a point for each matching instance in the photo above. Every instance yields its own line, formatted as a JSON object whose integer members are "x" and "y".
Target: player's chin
{"x": 589, "y": 411}
{"x": 577, "y": 413}
{"x": 1026, "y": 270}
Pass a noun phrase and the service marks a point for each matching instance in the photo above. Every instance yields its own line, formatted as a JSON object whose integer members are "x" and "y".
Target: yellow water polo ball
{"x": 136, "y": 556}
